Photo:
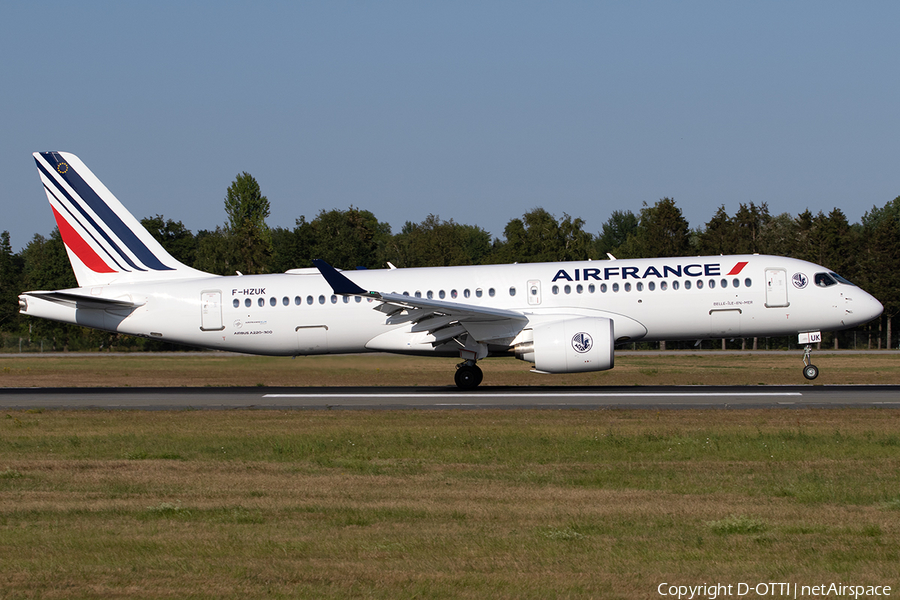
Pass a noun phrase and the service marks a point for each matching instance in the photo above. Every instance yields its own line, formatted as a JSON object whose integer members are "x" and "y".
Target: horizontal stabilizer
{"x": 83, "y": 301}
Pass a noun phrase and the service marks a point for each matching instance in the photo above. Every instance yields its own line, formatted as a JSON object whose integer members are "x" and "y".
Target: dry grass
{"x": 737, "y": 368}
{"x": 505, "y": 504}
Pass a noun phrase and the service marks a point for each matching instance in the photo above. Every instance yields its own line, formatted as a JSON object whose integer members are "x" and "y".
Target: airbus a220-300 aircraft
{"x": 564, "y": 317}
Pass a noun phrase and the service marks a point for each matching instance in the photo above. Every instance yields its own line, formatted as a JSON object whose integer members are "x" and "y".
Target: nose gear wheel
{"x": 810, "y": 371}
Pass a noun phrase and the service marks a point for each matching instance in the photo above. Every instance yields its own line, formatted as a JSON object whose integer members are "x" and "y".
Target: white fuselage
{"x": 647, "y": 299}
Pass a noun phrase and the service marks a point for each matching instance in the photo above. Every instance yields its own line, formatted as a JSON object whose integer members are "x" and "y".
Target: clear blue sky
{"x": 475, "y": 111}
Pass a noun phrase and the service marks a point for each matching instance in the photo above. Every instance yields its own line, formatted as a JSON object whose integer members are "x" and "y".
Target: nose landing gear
{"x": 810, "y": 371}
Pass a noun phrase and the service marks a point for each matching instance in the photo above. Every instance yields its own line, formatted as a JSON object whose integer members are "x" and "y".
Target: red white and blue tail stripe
{"x": 104, "y": 241}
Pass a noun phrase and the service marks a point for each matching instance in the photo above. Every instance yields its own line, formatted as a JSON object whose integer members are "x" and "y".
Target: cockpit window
{"x": 824, "y": 280}
{"x": 841, "y": 279}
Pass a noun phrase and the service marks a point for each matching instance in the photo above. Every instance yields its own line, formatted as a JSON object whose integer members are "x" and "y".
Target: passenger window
{"x": 640, "y": 286}
{"x": 736, "y": 282}
{"x": 333, "y": 299}
{"x": 675, "y": 285}
{"x": 492, "y": 292}
{"x": 418, "y": 294}
{"x": 699, "y": 284}
{"x": 615, "y": 287}
{"x": 555, "y": 290}
{"x": 261, "y": 301}
{"x": 663, "y": 285}
{"x": 442, "y": 294}
{"x": 568, "y": 289}
{"x": 273, "y": 301}
{"x": 712, "y": 283}
{"x": 309, "y": 299}
{"x": 724, "y": 283}
{"x": 346, "y": 299}
{"x": 359, "y": 299}
{"x": 430, "y": 295}
{"x": 651, "y": 285}
{"x": 628, "y": 286}
{"x": 603, "y": 288}
{"x": 298, "y": 300}
{"x": 466, "y": 293}
{"x": 236, "y": 303}
{"x": 592, "y": 288}
{"x": 512, "y": 291}
{"x": 247, "y": 302}
{"x": 579, "y": 288}
{"x": 453, "y": 294}
{"x": 747, "y": 282}
{"x": 479, "y": 293}
{"x": 321, "y": 299}
{"x": 687, "y": 284}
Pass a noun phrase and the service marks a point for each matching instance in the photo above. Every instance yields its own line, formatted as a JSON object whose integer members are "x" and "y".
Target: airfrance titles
{"x": 657, "y": 271}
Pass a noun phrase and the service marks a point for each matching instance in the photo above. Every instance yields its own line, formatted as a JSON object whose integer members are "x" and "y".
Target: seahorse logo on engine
{"x": 582, "y": 342}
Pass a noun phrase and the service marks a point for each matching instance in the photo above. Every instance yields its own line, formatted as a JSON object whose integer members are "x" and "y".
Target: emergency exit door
{"x": 211, "y": 310}
{"x": 776, "y": 288}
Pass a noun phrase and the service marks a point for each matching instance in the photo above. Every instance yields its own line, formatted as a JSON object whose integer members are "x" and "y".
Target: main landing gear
{"x": 468, "y": 375}
{"x": 810, "y": 371}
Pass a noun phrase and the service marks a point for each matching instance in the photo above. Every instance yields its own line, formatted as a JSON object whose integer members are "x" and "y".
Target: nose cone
{"x": 866, "y": 308}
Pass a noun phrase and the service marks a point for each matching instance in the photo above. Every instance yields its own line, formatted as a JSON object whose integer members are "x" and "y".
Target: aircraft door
{"x": 776, "y": 288}
{"x": 211, "y": 310}
{"x": 534, "y": 292}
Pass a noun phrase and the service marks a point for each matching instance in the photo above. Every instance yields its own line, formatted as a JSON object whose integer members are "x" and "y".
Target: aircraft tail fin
{"x": 105, "y": 243}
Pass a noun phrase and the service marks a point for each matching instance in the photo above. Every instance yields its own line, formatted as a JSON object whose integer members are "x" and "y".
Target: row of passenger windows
{"x": 479, "y": 293}
{"x": 248, "y": 302}
{"x": 651, "y": 286}
{"x": 491, "y": 292}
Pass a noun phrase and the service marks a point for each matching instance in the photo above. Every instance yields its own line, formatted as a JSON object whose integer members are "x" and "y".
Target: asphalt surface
{"x": 647, "y": 397}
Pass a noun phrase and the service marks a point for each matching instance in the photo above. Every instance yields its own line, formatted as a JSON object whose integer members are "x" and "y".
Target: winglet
{"x": 340, "y": 284}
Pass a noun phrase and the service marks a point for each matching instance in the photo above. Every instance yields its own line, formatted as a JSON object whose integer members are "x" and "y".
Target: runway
{"x": 446, "y": 398}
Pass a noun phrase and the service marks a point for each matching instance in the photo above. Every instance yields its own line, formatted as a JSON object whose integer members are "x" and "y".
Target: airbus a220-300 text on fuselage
{"x": 563, "y": 317}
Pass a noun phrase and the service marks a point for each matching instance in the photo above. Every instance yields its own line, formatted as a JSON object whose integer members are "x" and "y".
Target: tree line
{"x": 867, "y": 252}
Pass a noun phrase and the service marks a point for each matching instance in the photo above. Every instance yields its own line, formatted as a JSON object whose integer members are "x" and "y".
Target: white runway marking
{"x": 484, "y": 395}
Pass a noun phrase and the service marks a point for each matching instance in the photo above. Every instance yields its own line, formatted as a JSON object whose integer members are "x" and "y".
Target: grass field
{"x": 442, "y": 504}
{"x": 448, "y": 504}
{"x": 215, "y": 369}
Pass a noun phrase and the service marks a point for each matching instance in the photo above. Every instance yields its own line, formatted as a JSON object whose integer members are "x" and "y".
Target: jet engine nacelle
{"x": 570, "y": 346}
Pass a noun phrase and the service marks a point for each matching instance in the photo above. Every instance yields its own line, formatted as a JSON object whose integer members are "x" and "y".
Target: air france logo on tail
{"x": 582, "y": 342}
{"x": 89, "y": 221}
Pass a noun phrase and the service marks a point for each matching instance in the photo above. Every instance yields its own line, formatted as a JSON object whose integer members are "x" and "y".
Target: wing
{"x": 441, "y": 319}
